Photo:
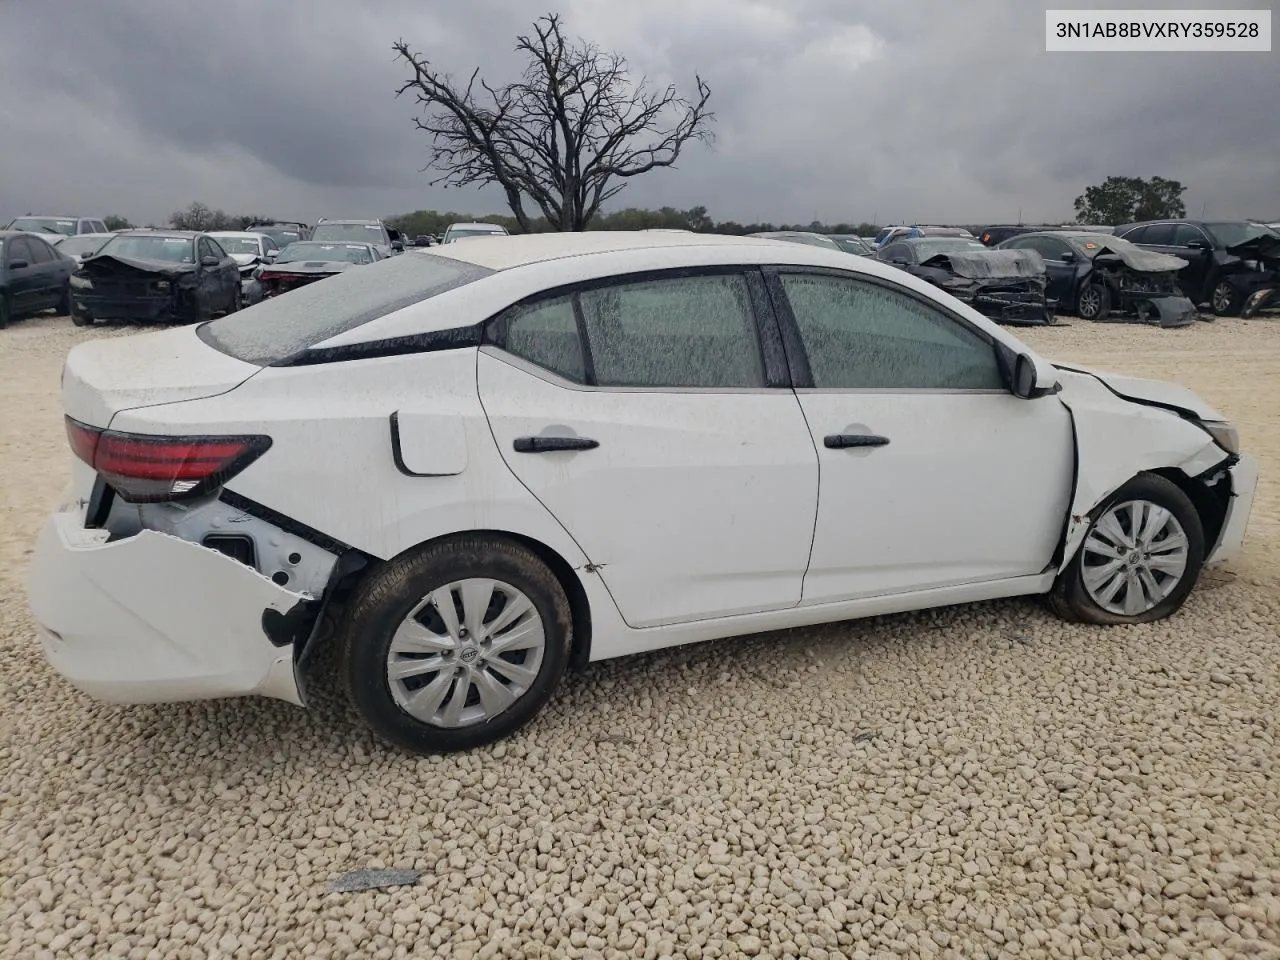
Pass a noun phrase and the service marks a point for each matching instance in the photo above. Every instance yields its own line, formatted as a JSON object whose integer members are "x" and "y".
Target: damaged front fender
{"x": 152, "y": 618}
{"x": 1116, "y": 440}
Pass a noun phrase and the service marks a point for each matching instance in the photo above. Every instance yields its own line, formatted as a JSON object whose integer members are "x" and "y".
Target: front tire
{"x": 64, "y": 301}
{"x": 1094, "y": 302}
{"x": 457, "y": 644}
{"x": 1139, "y": 560}
{"x": 4, "y": 310}
{"x": 1226, "y": 300}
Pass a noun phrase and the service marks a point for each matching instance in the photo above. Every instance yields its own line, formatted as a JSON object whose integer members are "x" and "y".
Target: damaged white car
{"x": 475, "y": 467}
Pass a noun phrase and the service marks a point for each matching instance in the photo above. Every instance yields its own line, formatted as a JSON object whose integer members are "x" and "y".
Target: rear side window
{"x": 41, "y": 252}
{"x": 276, "y": 329}
{"x": 679, "y": 332}
{"x": 546, "y": 333}
{"x": 1161, "y": 233}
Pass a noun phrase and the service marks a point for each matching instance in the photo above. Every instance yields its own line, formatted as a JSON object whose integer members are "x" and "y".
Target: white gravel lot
{"x": 981, "y": 781}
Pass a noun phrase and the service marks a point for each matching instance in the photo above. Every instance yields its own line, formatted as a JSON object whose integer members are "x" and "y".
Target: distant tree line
{"x": 434, "y": 222}
{"x": 198, "y": 216}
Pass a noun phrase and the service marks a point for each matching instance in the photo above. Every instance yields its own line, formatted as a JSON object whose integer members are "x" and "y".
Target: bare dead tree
{"x": 567, "y": 136}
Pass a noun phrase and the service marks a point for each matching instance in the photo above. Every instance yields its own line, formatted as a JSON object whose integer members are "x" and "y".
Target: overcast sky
{"x": 897, "y": 112}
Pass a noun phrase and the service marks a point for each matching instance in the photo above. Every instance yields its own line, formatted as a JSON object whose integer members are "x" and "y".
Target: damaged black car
{"x": 1007, "y": 286}
{"x": 1232, "y": 265}
{"x": 1100, "y": 277}
{"x": 155, "y": 276}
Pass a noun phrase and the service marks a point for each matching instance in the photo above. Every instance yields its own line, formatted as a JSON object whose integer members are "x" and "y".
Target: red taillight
{"x": 146, "y": 469}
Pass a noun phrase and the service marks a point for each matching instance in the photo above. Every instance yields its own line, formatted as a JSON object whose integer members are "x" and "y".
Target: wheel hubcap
{"x": 1221, "y": 296}
{"x": 465, "y": 653}
{"x": 1134, "y": 556}
{"x": 1089, "y": 302}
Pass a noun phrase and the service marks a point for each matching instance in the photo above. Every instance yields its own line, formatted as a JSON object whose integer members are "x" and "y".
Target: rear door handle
{"x": 552, "y": 444}
{"x": 841, "y": 441}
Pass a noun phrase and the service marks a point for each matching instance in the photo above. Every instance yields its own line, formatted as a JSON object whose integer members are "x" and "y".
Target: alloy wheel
{"x": 1134, "y": 556}
{"x": 465, "y": 653}
{"x": 1222, "y": 297}
{"x": 1090, "y": 301}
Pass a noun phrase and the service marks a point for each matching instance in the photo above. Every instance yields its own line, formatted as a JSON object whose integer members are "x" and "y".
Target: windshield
{"x": 366, "y": 232}
{"x": 282, "y": 237}
{"x": 170, "y": 249}
{"x": 235, "y": 245}
{"x": 45, "y": 225}
{"x": 310, "y": 250}
{"x": 81, "y": 246}
{"x": 931, "y": 248}
{"x": 1231, "y": 233}
{"x": 1091, "y": 244}
{"x": 490, "y": 232}
{"x": 280, "y": 327}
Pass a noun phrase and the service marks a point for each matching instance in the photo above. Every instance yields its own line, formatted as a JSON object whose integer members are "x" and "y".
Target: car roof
{"x": 329, "y": 220}
{"x": 476, "y": 223}
{"x": 236, "y": 233}
{"x": 502, "y": 253}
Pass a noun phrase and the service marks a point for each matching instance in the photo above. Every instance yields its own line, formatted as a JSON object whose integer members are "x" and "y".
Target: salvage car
{"x": 310, "y": 260}
{"x": 852, "y": 243}
{"x": 461, "y": 231}
{"x": 798, "y": 236}
{"x": 33, "y": 276}
{"x": 53, "y": 227}
{"x": 559, "y": 448}
{"x": 1007, "y": 287}
{"x": 385, "y": 238}
{"x": 282, "y": 232}
{"x": 1232, "y": 265}
{"x": 250, "y": 251}
{"x": 81, "y": 245}
{"x": 1102, "y": 277}
{"x": 157, "y": 276}
{"x": 998, "y": 233}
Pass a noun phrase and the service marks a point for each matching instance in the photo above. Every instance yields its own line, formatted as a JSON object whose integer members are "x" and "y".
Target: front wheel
{"x": 457, "y": 644}
{"x": 64, "y": 301}
{"x": 1094, "y": 302}
{"x": 1225, "y": 299}
{"x": 4, "y": 311}
{"x": 1139, "y": 560}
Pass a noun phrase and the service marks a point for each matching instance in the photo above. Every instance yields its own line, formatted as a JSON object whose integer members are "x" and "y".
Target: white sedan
{"x": 475, "y": 467}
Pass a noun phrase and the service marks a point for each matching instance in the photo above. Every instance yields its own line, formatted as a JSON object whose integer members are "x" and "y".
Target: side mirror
{"x": 397, "y": 246}
{"x": 1196, "y": 245}
{"x": 1067, "y": 257}
{"x": 1019, "y": 371}
{"x": 18, "y": 264}
{"x": 270, "y": 256}
{"x": 209, "y": 261}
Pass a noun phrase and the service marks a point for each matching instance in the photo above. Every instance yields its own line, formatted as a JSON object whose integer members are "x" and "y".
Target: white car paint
{"x": 701, "y": 515}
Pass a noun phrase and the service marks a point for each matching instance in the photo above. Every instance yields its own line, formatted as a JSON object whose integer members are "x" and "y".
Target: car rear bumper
{"x": 152, "y": 618}
{"x": 1244, "y": 484}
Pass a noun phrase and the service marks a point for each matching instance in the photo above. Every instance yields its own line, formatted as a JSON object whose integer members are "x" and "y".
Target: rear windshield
{"x": 276, "y": 329}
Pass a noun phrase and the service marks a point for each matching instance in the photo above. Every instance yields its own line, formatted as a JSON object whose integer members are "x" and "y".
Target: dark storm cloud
{"x": 935, "y": 111}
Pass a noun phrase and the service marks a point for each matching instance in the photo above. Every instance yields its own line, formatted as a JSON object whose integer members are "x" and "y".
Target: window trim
{"x": 769, "y": 339}
{"x": 798, "y": 355}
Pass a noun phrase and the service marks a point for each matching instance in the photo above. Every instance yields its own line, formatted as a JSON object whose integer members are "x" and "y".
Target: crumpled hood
{"x": 244, "y": 259}
{"x": 1144, "y": 261}
{"x": 989, "y": 264}
{"x": 1262, "y": 247}
{"x": 1158, "y": 392}
{"x": 312, "y": 266}
{"x": 108, "y": 263}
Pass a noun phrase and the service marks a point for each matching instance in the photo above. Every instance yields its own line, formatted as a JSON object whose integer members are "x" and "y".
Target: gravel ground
{"x": 982, "y": 781}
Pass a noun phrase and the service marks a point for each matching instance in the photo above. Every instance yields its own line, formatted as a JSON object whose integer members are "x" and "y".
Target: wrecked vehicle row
{"x": 1009, "y": 286}
{"x": 1102, "y": 278}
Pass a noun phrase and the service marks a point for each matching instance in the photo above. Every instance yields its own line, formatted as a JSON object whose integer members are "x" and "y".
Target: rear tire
{"x": 1093, "y": 302}
{"x": 81, "y": 319}
{"x": 433, "y": 682}
{"x": 1117, "y": 577}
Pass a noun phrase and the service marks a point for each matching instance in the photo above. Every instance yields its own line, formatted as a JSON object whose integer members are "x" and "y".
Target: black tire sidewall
{"x": 388, "y": 596}
{"x": 1165, "y": 493}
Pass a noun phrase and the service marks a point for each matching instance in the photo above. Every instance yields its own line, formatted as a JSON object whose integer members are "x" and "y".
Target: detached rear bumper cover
{"x": 1244, "y": 484}
{"x": 152, "y": 619}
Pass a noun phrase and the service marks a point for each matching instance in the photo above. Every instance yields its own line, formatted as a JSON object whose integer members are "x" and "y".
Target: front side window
{"x": 696, "y": 331}
{"x": 1186, "y": 233}
{"x": 865, "y": 336}
{"x": 1159, "y": 233}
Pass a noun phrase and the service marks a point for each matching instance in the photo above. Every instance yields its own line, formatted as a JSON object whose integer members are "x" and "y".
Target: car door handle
{"x": 553, "y": 444}
{"x": 842, "y": 441}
